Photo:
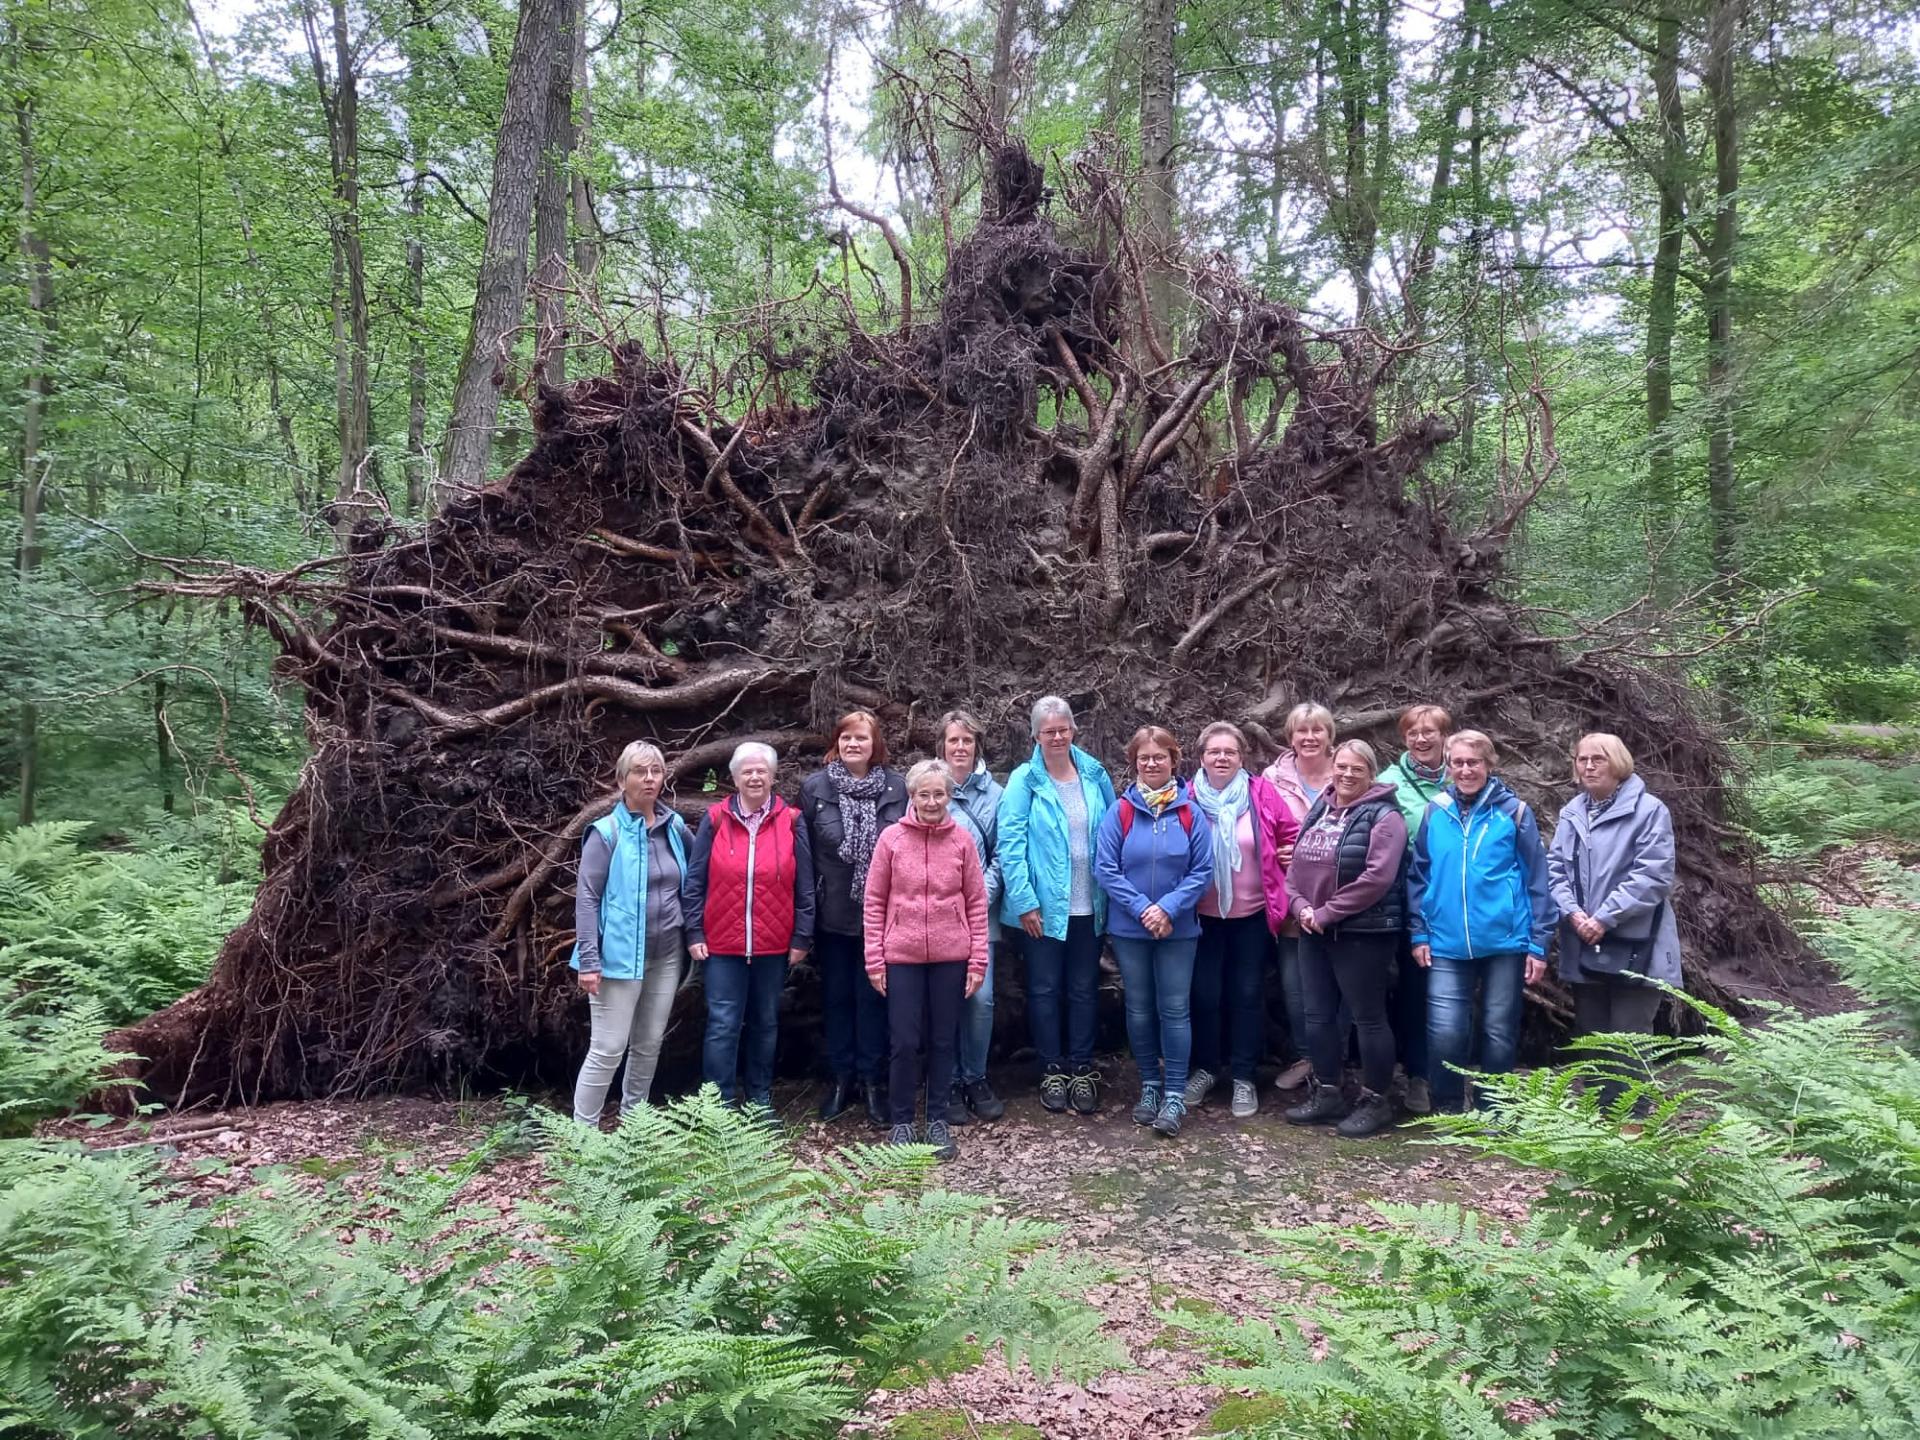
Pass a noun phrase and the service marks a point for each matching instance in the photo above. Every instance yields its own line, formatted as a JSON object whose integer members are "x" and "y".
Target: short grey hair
{"x": 1360, "y": 748}
{"x": 752, "y": 750}
{"x": 925, "y": 770}
{"x": 1049, "y": 705}
{"x": 635, "y": 755}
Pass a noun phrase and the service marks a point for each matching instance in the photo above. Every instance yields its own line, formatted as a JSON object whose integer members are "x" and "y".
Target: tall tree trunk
{"x": 1363, "y": 77}
{"x": 1670, "y": 184}
{"x": 586, "y": 224}
{"x": 500, "y": 294}
{"x": 552, "y": 200}
{"x": 1006, "y": 29}
{"x": 1156, "y": 156}
{"x": 38, "y": 256}
{"x": 1426, "y": 249}
{"x": 1723, "y": 500}
{"x": 419, "y": 462}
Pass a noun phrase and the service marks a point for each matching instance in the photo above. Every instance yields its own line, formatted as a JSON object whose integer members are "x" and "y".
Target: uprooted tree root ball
{"x": 1018, "y": 496}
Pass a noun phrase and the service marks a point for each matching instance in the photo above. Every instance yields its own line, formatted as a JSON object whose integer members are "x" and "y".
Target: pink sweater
{"x": 926, "y": 898}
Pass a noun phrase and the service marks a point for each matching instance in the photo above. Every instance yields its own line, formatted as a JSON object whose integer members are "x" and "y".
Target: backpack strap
{"x": 1126, "y": 817}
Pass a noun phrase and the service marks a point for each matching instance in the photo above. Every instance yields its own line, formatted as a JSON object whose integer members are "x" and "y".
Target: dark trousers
{"x": 1410, "y": 1012}
{"x": 855, "y": 1013}
{"x": 1230, "y": 994}
{"x": 923, "y": 1019}
{"x": 1354, "y": 969}
{"x": 1064, "y": 975}
{"x": 1615, "y": 1005}
{"x": 743, "y": 1023}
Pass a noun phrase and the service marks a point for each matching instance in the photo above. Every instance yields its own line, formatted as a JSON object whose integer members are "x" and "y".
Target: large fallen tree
{"x": 1015, "y": 494}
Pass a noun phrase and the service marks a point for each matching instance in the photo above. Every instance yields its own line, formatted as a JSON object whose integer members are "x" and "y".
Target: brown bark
{"x": 1157, "y": 181}
{"x": 552, "y": 200}
{"x": 500, "y": 293}
{"x": 419, "y": 462}
{"x": 1006, "y": 29}
{"x": 586, "y": 225}
{"x": 1670, "y": 184}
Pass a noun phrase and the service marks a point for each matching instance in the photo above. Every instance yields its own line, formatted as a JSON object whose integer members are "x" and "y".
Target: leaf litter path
{"x": 1175, "y": 1225}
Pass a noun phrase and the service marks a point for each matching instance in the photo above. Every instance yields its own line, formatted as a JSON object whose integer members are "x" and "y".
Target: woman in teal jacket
{"x": 629, "y": 946}
{"x": 1048, "y": 821}
{"x": 1482, "y": 916}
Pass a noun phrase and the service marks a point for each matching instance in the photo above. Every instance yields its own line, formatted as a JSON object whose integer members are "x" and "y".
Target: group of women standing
{"x": 1409, "y": 905}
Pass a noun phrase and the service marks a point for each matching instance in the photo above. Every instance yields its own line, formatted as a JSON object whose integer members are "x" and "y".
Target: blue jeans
{"x": 1071, "y": 965}
{"x": 1158, "y": 978}
{"x": 1473, "y": 1020}
{"x": 976, "y": 1029}
{"x": 1230, "y": 993}
{"x": 855, "y": 1014}
{"x": 743, "y": 1023}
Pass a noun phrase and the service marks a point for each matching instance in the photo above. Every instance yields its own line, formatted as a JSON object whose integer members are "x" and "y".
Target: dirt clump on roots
{"x": 1017, "y": 495}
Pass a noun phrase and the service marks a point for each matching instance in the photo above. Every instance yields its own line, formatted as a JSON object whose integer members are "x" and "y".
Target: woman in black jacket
{"x": 846, "y": 805}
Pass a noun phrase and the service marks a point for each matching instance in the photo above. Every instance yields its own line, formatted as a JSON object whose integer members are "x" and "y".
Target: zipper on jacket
{"x": 753, "y": 835}
{"x": 926, "y": 895}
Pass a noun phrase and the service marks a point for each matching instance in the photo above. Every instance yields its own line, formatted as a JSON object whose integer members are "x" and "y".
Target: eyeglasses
{"x": 1466, "y": 762}
{"x": 1056, "y": 734}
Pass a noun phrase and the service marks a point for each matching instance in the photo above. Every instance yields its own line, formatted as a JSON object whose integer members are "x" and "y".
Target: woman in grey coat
{"x": 1610, "y": 870}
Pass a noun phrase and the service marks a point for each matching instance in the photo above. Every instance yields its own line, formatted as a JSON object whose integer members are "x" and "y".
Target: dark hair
{"x": 1153, "y": 735}
{"x": 847, "y": 722}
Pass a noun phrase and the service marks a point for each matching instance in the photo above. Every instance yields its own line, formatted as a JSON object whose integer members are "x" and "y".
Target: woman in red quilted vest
{"x": 926, "y": 944}
{"x": 749, "y": 914}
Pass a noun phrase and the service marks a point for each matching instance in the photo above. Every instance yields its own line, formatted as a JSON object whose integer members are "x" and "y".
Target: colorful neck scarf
{"x": 1157, "y": 801}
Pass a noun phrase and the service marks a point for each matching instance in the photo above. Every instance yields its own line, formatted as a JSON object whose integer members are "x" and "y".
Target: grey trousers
{"x": 629, "y": 1021}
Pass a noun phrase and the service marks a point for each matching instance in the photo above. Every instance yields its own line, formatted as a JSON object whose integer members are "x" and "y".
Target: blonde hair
{"x": 1222, "y": 727}
{"x": 1613, "y": 747}
{"x": 634, "y": 756}
{"x": 1479, "y": 740}
{"x": 964, "y": 719}
{"x": 1360, "y": 748}
{"x": 924, "y": 770}
{"x": 1306, "y": 713}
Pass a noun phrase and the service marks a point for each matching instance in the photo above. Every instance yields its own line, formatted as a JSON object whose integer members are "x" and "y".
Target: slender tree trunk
{"x": 586, "y": 224}
{"x": 1363, "y": 76}
{"x": 419, "y": 462}
{"x": 1006, "y": 29}
{"x": 1426, "y": 249}
{"x": 552, "y": 200}
{"x": 500, "y": 295}
{"x": 1156, "y": 155}
{"x": 38, "y": 256}
{"x": 1723, "y": 500}
{"x": 1473, "y": 253}
{"x": 1663, "y": 297}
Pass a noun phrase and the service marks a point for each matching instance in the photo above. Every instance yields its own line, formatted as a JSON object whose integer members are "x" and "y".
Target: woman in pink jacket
{"x": 926, "y": 934}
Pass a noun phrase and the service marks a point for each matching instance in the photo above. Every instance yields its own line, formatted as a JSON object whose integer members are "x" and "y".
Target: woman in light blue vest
{"x": 629, "y": 948}
{"x": 1048, "y": 819}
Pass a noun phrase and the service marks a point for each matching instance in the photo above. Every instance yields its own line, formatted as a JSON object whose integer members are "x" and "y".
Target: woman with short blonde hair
{"x": 1301, "y": 774}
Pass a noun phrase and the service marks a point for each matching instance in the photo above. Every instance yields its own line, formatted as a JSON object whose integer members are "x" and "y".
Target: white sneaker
{"x": 1295, "y": 1075}
{"x": 1199, "y": 1084}
{"x": 1246, "y": 1100}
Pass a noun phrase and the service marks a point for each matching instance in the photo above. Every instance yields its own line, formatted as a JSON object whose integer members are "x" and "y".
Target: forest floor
{"x": 1178, "y": 1227}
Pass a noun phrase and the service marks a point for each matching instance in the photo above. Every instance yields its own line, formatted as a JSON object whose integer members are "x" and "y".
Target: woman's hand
{"x": 1309, "y": 921}
{"x": 1536, "y": 969}
{"x": 1423, "y": 956}
{"x": 696, "y": 952}
{"x": 796, "y": 955}
{"x": 1587, "y": 928}
{"x": 1284, "y": 854}
{"x": 1030, "y": 922}
{"x": 589, "y": 982}
{"x": 1158, "y": 924}
{"x": 974, "y": 982}
{"x": 878, "y": 979}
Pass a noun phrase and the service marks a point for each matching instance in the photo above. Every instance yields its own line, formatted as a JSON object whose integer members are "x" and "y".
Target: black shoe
{"x": 981, "y": 1100}
{"x": 1084, "y": 1091}
{"x": 941, "y": 1139}
{"x": 838, "y": 1101}
{"x": 1324, "y": 1105}
{"x": 1053, "y": 1090}
{"x": 877, "y": 1107}
{"x": 1373, "y": 1114}
{"x": 957, "y": 1111}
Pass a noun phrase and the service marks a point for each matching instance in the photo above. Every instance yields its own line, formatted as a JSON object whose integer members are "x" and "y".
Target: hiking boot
{"x": 941, "y": 1139}
{"x": 1373, "y": 1114}
{"x": 1324, "y": 1105}
{"x": 1149, "y": 1106}
{"x": 957, "y": 1111}
{"x": 839, "y": 1099}
{"x": 981, "y": 1100}
{"x": 1246, "y": 1099}
{"x": 877, "y": 1107}
{"x": 1053, "y": 1090}
{"x": 1167, "y": 1122}
{"x": 1419, "y": 1096}
{"x": 1295, "y": 1075}
{"x": 1084, "y": 1091}
{"x": 1199, "y": 1083}
{"x": 900, "y": 1135}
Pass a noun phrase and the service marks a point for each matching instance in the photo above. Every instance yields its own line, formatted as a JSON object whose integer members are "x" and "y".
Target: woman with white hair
{"x": 1048, "y": 819}
{"x": 628, "y": 918}
{"x": 749, "y": 907}
{"x": 1610, "y": 871}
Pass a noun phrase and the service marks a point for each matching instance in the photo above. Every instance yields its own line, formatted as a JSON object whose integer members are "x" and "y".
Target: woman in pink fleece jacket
{"x": 926, "y": 934}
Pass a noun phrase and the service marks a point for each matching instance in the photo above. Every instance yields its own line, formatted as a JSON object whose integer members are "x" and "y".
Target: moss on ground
{"x": 1241, "y": 1412}
{"x": 946, "y": 1423}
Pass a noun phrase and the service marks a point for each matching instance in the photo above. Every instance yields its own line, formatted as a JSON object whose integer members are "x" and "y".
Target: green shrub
{"x": 1803, "y": 807}
{"x": 680, "y": 1278}
{"x": 1729, "y": 1248}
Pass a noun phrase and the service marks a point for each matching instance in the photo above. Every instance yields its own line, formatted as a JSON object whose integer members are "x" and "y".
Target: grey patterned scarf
{"x": 859, "y": 818}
